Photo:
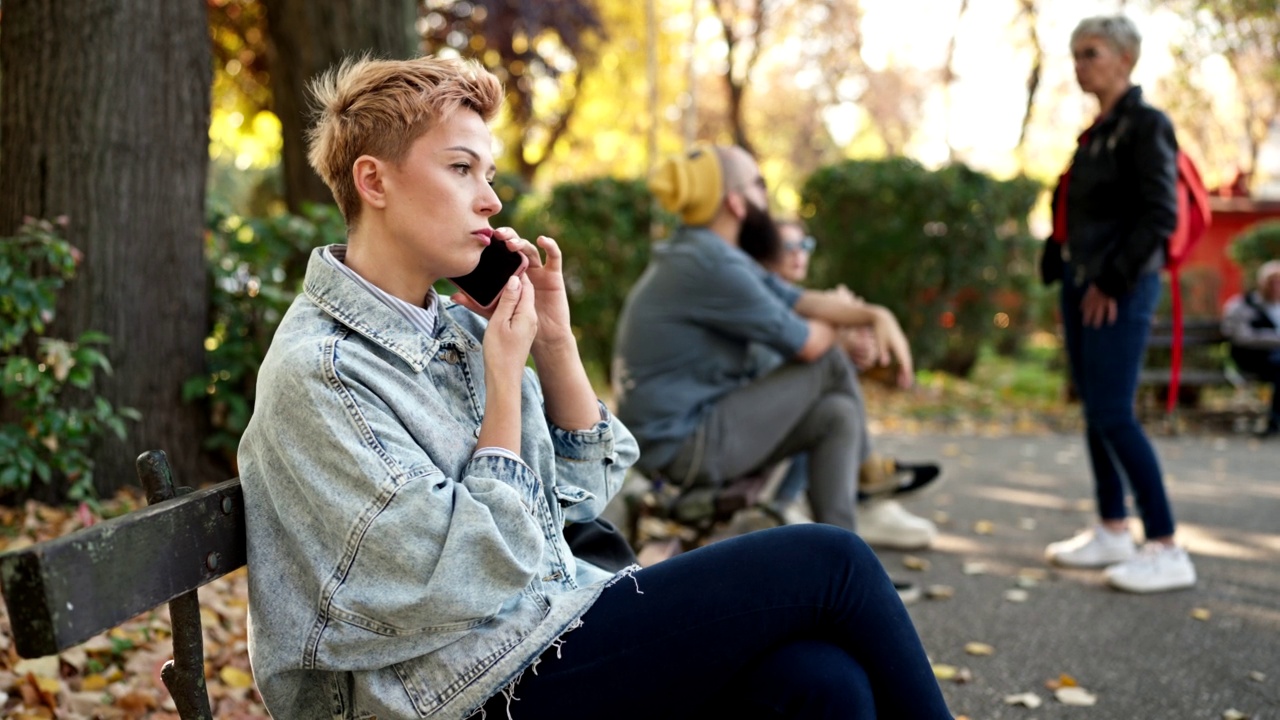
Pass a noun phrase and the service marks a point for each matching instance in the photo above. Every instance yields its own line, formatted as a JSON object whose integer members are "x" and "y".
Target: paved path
{"x": 1144, "y": 657}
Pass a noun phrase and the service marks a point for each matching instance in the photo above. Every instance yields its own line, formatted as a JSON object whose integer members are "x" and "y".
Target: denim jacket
{"x": 392, "y": 572}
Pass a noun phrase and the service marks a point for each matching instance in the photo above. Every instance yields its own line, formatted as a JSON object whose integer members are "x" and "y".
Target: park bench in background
{"x": 62, "y": 592}
{"x": 1205, "y": 364}
{"x": 1204, "y": 353}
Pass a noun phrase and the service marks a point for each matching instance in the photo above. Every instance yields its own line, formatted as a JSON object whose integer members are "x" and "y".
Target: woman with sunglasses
{"x": 1113, "y": 210}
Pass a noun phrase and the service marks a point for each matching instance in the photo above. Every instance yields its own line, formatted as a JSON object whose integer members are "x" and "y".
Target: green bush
{"x": 255, "y": 266}
{"x": 1259, "y": 244}
{"x": 945, "y": 250}
{"x": 603, "y": 227}
{"x": 52, "y": 416}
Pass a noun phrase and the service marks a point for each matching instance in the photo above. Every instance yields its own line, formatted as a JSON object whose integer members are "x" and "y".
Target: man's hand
{"x": 1098, "y": 308}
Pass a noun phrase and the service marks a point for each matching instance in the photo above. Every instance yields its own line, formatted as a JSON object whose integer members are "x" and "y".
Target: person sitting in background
{"x": 683, "y": 363}
{"x": 883, "y": 522}
{"x": 1251, "y": 322}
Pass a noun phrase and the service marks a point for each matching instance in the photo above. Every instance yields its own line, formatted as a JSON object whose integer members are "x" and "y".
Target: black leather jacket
{"x": 1121, "y": 201}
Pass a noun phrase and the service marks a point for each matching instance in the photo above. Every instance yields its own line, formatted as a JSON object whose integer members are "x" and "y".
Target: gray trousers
{"x": 815, "y": 408}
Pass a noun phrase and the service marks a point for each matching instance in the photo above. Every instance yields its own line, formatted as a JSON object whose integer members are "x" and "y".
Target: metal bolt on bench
{"x": 63, "y": 591}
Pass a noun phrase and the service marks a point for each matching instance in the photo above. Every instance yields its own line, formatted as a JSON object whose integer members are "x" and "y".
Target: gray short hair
{"x": 1267, "y": 270}
{"x": 1115, "y": 29}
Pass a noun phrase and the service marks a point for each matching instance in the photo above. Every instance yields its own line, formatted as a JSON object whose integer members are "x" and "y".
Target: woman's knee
{"x": 826, "y": 542}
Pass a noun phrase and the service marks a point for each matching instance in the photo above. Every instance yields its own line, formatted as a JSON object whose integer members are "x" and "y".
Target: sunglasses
{"x": 805, "y": 244}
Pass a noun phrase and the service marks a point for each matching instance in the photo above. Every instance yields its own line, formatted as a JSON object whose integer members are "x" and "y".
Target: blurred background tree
{"x": 104, "y": 119}
{"x": 541, "y": 52}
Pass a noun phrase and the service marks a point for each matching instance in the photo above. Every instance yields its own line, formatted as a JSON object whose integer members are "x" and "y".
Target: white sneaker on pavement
{"x": 1155, "y": 568}
{"x": 885, "y": 523}
{"x": 1094, "y": 548}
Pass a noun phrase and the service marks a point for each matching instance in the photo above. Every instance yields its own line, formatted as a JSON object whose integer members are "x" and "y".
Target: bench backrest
{"x": 64, "y": 591}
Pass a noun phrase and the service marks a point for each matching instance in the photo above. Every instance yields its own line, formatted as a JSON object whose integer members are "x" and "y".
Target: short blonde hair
{"x": 376, "y": 107}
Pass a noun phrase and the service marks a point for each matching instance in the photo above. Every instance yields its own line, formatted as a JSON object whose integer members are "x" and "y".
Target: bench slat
{"x": 62, "y": 592}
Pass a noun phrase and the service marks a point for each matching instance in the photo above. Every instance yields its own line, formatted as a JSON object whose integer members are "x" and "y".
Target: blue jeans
{"x": 1105, "y": 363}
{"x": 794, "y": 481}
{"x": 791, "y": 622}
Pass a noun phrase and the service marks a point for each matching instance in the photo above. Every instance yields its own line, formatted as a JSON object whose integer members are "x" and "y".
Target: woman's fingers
{"x": 507, "y": 301}
{"x": 517, "y": 244}
{"x": 552, "y": 249}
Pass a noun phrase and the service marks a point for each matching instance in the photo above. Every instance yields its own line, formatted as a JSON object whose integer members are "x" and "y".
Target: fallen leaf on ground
{"x": 235, "y": 677}
{"x": 941, "y": 517}
{"x": 974, "y": 567}
{"x": 1033, "y": 573}
{"x": 94, "y": 682}
{"x": 1016, "y": 595}
{"x": 939, "y": 592}
{"x": 1256, "y": 676}
{"x": 1063, "y": 680}
{"x": 1201, "y": 614}
{"x": 1026, "y": 523}
{"x": 945, "y": 672}
{"x": 984, "y": 527}
{"x": 1234, "y": 714}
{"x": 914, "y": 562}
{"x": 1076, "y": 696}
{"x": 47, "y": 666}
{"x": 980, "y": 649}
{"x": 1027, "y": 699}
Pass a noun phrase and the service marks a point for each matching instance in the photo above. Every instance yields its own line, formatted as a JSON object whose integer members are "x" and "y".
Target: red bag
{"x": 1194, "y": 217}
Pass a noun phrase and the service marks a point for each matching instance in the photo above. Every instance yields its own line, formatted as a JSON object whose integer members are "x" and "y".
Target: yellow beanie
{"x": 691, "y": 184}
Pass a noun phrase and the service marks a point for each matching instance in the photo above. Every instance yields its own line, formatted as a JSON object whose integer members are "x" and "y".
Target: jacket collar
{"x": 351, "y": 305}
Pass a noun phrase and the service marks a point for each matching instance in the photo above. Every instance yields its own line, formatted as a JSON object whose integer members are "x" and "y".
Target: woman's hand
{"x": 1098, "y": 308}
{"x": 891, "y": 344}
{"x": 548, "y": 280}
{"x": 513, "y": 325}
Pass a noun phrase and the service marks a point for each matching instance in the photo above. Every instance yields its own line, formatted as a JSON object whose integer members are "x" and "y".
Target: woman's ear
{"x": 369, "y": 175}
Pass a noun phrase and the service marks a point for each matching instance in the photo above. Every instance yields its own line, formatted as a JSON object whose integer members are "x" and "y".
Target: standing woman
{"x": 1113, "y": 211}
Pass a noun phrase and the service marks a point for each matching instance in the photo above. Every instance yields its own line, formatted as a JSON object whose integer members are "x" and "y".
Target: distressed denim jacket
{"x": 391, "y": 573}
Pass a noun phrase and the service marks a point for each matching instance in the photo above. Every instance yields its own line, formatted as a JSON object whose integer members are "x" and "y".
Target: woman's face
{"x": 1270, "y": 288}
{"x": 793, "y": 265}
{"x": 1100, "y": 67}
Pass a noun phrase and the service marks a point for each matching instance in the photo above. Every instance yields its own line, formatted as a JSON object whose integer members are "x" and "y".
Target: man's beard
{"x": 759, "y": 236}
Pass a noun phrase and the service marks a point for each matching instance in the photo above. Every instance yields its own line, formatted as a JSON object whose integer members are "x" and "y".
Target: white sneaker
{"x": 1094, "y": 548}
{"x": 885, "y": 523}
{"x": 1156, "y": 568}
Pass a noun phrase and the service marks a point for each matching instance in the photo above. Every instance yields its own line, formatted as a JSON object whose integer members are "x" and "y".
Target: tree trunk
{"x": 105, "y": 119}
{"x": 307, "y": 38}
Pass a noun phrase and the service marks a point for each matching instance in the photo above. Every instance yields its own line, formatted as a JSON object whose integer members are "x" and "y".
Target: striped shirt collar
{"x": 421, "y": 318}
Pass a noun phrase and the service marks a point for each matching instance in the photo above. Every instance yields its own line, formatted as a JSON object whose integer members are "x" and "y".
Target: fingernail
{"x": 513, "y": 283}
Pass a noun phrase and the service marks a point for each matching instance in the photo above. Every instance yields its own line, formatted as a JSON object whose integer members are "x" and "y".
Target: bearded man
{"x": 684, "y": 371}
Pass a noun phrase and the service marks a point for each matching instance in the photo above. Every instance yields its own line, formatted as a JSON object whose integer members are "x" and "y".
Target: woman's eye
{"x": 461, "y": 168}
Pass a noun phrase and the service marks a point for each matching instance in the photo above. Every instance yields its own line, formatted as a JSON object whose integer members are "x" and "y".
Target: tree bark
{"x": 307, "y": 38}
{"x": 105, "y": 119}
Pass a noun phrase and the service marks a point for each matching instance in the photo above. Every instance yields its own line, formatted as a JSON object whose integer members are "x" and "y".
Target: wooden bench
{"x": 62, "y": 592}
{"x": 1204, "y": 353}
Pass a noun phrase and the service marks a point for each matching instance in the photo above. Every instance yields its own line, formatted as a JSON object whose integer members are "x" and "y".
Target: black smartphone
{"x": 497, "y": 263}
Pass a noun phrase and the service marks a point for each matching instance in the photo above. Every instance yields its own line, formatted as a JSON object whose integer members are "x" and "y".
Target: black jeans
{"x": 792, "y": 622}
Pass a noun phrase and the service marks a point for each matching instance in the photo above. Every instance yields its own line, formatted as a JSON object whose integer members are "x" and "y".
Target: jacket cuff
{"x": 1113, "y": 284}
{"x": 513, "y": 473}
{"x": 593, "y": 444}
